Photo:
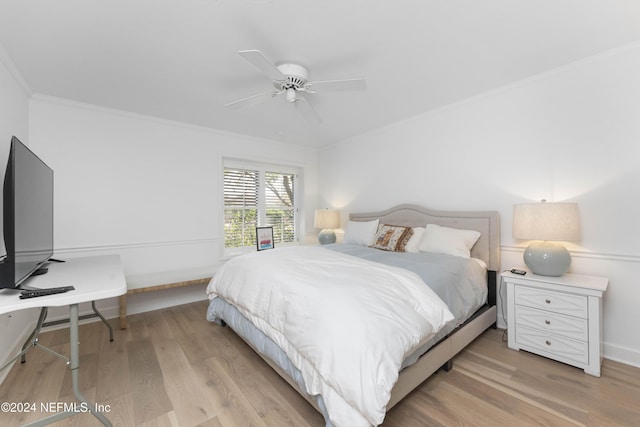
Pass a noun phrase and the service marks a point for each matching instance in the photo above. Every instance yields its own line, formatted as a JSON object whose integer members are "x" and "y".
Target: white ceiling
{"x": 177, "y": 59}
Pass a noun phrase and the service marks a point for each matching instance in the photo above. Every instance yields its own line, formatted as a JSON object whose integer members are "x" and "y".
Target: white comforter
{"x": 345, "y": 323}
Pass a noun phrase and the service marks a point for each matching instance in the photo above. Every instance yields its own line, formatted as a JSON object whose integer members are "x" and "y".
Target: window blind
{"x": 280, "y": 206}
{"x": 260, "y": 196}
{"x": 240, "y": 207}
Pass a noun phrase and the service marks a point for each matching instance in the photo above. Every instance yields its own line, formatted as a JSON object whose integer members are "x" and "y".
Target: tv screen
{"x": 28, "y": 215}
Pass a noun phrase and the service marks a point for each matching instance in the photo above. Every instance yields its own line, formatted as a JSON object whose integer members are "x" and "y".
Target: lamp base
{"x": 547, "y": 258}
{"x": 326, "y": 237}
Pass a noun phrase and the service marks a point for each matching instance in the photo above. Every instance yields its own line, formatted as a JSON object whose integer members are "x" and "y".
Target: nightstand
{"x": 557, "y": 317}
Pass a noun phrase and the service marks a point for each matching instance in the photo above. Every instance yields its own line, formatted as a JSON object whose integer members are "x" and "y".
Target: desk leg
{"x": 97, "y": 313}
{"x": 123, "y": 311}
{"x": 34, "y": 334}
{"x": 74, "y": 365}
{"x": 74, "y": 349}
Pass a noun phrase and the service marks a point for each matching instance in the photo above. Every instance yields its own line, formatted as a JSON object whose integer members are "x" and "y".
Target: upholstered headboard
{"x": 487, "y": 248}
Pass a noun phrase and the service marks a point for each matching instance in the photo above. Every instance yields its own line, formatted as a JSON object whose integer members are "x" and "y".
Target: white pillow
{"x": 414, "y": 241}
{"x": 361, "y": 232}
{"x": 450, "y": 241}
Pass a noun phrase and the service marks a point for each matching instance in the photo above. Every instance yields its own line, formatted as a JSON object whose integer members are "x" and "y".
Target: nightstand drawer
{"x": 554, "y": 346}
{"x": 566, "y": 326}
{"x": 561, "y": 303}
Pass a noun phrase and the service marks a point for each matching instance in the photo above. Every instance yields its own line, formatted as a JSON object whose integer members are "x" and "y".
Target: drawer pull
{"x": 548, "y": 342}
{"x": 548, "y": 301}
{"x": 547, "y": 322}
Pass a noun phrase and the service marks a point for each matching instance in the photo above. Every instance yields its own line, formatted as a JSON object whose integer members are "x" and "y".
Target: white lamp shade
{"x": 546, "y": 221}
{"x": 326, "y": 218}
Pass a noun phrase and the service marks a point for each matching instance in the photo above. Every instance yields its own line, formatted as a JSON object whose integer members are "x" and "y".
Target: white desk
{"x": 94, "y": 278}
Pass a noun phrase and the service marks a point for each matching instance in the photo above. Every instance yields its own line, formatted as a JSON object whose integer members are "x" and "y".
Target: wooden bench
{"x": 142, "y": 283}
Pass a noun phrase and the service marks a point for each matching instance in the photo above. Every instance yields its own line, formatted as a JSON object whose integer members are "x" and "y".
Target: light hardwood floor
{"x": 173, "y": 368}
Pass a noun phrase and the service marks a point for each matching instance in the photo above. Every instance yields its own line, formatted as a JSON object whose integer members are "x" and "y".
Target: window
{"x": 258, "y": 195}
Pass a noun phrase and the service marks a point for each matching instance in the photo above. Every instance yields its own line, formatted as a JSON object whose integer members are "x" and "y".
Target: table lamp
{"x": 546, "y": 223}
{"x": 327, "y": 220}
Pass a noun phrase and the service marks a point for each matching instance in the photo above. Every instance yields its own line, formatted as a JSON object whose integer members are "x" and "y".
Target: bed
{"x": 270, "y": 324}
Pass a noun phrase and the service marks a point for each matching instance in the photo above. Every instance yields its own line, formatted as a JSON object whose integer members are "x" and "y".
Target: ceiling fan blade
{"x": 262, "y": 63}
{"x": 306, "y": 110}
{"x": 253, "y": 100}
{"x": 338, "y": 85}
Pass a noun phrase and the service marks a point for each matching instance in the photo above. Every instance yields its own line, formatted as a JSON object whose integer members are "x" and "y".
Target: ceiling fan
{"x": 292, "y": 81}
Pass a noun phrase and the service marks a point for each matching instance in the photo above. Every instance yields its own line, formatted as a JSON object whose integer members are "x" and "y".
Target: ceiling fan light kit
{"x": 291, "y": 79}
{"x": 291, "y": 95}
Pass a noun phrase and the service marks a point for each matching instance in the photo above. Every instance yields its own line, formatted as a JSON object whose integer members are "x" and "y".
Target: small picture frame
{"x": 264, "y": 238}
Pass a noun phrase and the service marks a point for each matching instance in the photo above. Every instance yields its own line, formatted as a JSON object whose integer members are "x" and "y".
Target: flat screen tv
{"x": 28, "y": 215}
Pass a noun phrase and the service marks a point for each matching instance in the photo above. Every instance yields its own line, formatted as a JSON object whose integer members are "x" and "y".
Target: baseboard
{"x": 620, "y": 354}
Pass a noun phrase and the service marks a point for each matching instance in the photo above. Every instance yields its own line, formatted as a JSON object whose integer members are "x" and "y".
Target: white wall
{"x": 568, "y": 135}
{"x": 14, "y": 120}
{"x": 145, "y": 188}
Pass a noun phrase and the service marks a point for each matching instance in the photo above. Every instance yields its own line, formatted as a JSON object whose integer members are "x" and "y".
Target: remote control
{"x": 520, "y": 272}
{"x": 34, "y": 293}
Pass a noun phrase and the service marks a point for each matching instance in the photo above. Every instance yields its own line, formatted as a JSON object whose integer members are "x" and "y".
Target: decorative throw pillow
{"x": 392, "y": 238}
{"x": 414, "y": 241}
{"x": 360, "y": 232}
{"x": 450, "y": 241}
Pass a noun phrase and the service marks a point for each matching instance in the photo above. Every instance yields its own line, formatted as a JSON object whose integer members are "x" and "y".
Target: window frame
{"x": 262, "y": 168}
